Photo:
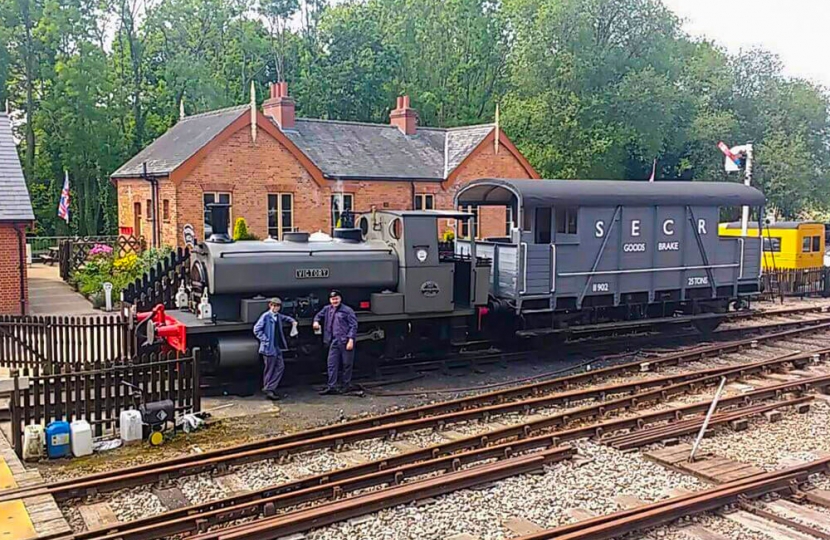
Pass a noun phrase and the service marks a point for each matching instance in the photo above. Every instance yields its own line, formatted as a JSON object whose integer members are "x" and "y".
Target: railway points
{"x": 442, "y": 451}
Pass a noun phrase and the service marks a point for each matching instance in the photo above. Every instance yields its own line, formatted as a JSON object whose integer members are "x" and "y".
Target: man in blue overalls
{"x": 339, "y": 335}
{"x": 268, "y": 330}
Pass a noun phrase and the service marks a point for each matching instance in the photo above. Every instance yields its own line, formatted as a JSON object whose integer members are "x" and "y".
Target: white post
{"x": 747, "y": 181}
{"x": 712, "y": 408}
{"x": 108, "y": 296}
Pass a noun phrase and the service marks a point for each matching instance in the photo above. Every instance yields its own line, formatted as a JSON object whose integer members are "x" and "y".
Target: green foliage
{"x": 240, "y": 230}
{"x": 120, "y": 271}
{"x": 587, "y": 88}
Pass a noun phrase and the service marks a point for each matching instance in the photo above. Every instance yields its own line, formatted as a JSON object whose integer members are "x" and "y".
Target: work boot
{"x": 328, "y": 391}
{"x": 270, "y": 394}
{"x": 351, "y": 388}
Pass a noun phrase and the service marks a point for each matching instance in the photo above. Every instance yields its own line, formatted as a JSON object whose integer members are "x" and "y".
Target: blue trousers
{"x": 274, "y": 368}
{"x": 338, "y": 355}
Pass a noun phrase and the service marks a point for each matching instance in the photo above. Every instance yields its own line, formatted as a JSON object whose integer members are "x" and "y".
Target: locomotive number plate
{"x": 311, "y": 273}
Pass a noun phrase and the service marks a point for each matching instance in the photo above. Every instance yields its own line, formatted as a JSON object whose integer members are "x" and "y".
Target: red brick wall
{"x": 250, "y": 171}
{"x": 10, "y": 271}
{"x": 132, "y": 191}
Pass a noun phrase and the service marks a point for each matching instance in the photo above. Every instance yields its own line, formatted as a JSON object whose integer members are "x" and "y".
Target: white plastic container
{"x": 34, "y": 442}
{"x": 130, "y": 425}
{"x": 80, "y": 434}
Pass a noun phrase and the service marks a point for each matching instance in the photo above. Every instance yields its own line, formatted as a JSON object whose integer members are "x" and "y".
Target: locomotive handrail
{"x": 309, "y": 252}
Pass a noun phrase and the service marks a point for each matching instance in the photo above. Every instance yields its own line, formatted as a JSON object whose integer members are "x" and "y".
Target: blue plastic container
{"x": 57, "y": 440}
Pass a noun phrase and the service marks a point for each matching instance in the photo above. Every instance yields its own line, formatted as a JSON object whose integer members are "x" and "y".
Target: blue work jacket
{"x": 339, "y": 324}
{"x": 266, "y": 328}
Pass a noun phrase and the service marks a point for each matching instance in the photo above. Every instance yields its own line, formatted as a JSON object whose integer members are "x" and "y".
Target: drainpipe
{"x": 21, "y": 242}
{"x": 155, "y": 240}
{"x": 412, "y": 189}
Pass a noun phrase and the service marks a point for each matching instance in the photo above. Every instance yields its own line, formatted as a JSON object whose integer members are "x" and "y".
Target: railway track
{"x": 584, "y": 343}
{"x": 508, "y": 444}
{"x": 538, "y": 434}
{"x": 517, "y": 399}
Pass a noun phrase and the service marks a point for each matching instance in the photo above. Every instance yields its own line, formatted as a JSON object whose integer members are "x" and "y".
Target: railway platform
{"x": 31, "y": 517}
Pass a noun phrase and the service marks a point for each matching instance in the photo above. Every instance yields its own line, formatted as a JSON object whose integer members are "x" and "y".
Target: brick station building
{"x": 15, "y": 216}
{"x": 283, "y": 173}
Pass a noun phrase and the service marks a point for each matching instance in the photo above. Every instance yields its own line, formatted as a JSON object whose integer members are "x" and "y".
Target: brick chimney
{"x": 404, "y": 118}
{"x": 280, "y": 106}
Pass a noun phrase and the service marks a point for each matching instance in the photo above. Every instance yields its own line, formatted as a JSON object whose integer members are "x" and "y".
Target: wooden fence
{"x": 160, "y": 284}
{"x": 98, "y": 396}
{"x": 73, "y": 252}
{"x": 41, "y": 343}
{"x": 795, "y": 282}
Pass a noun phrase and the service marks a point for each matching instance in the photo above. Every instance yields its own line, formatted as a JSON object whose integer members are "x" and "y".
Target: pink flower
{"x": 100, "y": 249}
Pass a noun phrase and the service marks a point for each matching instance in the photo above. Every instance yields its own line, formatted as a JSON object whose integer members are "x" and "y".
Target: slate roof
{"x": 341, "y": 150}
{"x": 354, "y": 150}
{"x": 15, "y": 204}
{"x": 180, "y": 142}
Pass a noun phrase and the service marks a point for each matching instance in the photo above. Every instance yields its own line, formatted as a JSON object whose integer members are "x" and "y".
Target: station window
{"x": 772, "y": 245}
{"x": 341, "y": 203}
{"x": 424, "y": 201}
{"x": 465, "y": 224}
{"x": 280, "y": 214}
{"x": 566, "y": 219}
{"x": 149, "y": 210}
{"x": 165, "y": 210}
{"x": 212, "y": 198}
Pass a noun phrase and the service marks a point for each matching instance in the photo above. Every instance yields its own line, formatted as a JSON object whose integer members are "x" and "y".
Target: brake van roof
{"x": 499, "y": 191}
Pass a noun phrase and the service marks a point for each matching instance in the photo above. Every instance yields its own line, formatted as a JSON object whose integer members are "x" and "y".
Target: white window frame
{"x": 350, "y": 206}
{"x": 421, "y": 199}
{"x": 215, "y": 200}
{"x": 473, "y": 209}
{"x": 279, "y": 210}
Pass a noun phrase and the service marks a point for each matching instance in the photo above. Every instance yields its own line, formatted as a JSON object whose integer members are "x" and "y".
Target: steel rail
{"x": 191, "y": 518}
{"x": 333, "y": 512}
{"x": 198, "y": 518}
{"x": 665, "y": 511}
{"x": 653, "y": 435}
{"x": 129, "y": 477}
{"x": 601, "y": 528}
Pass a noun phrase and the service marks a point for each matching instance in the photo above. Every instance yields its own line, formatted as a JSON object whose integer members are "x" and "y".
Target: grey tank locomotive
{"x": 410, "y": 294}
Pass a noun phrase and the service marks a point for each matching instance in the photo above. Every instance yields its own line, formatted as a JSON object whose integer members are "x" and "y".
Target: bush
{"x": 240, "y": 230}
{"x": 102, "y": 266}
{"x": 448, "y": 236}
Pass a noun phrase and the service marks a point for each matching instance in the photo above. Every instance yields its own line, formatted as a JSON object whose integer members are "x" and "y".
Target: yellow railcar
{"x": 787, "y": 244}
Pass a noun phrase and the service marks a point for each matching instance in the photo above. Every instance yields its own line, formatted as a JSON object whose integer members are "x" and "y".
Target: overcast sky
{"x": 798, "y": 31}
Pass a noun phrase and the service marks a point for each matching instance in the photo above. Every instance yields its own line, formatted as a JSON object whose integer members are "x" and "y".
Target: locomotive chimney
{"x": 219, "y": 218}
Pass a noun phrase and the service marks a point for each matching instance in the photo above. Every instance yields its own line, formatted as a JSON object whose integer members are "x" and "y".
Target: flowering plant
{"x": 100, "y": 249}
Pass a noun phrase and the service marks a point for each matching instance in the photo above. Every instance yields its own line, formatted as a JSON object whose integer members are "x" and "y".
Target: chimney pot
{"x": 404, "y": 117}
{"x": 280, "y": 107}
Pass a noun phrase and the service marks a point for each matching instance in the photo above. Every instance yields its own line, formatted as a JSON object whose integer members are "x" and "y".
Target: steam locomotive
{"x": 579, "y": 253}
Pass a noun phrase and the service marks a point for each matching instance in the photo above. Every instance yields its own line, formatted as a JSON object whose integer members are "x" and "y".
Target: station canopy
{"x": 532, "y": 193}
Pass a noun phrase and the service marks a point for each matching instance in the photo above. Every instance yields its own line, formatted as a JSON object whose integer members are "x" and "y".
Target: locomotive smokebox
{"x": 219, "y": 220}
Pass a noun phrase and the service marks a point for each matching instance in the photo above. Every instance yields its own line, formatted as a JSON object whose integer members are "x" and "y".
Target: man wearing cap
{"x": 339, "y": 325}
{"x": 268, "y": 330}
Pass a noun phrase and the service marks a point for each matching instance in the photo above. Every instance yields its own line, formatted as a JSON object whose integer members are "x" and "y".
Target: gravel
{"x": 540, "y": 498}
{"x": 136, "y": 503}
{"x": 775, "y": 445}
